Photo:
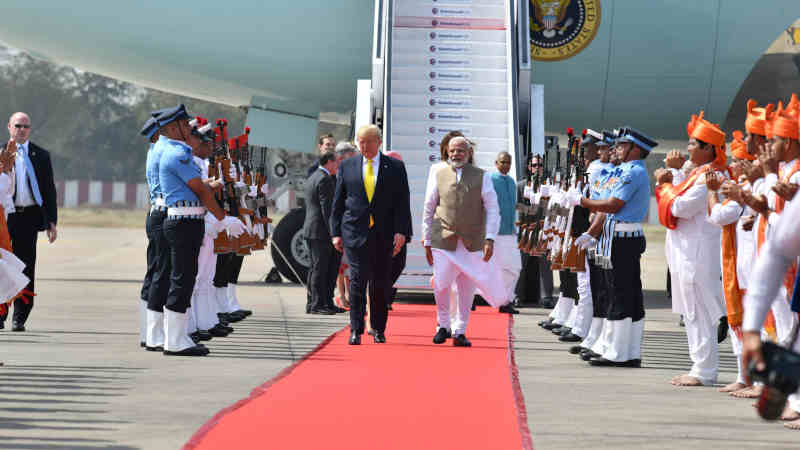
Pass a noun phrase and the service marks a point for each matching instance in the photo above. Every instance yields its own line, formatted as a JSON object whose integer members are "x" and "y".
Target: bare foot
{"x": 686, "y": 380}
{"x": 732, "y": 387}
{"x": 789, "y": 414}
{"x": 793, "y": 425}
{"x": 751, "y": 392}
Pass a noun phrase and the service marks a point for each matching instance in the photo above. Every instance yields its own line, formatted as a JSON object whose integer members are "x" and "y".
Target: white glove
{"x": 232, "y": 173}
{"x": 240, "y": 184}
{"x": 265, "y": 189}
{"x": 544, "y": 190}
{"x": 573, "y": 197}
{"x": 212, "y": 225}
{"x": 585, "y": 241}
{"x": 233, "y": 226}
{"x": 253, "y": 192}
{"x": 528, "y": 192}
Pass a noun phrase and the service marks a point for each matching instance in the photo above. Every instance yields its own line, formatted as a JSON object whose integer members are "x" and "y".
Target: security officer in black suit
{"x": 325, "y": 259}
{"x": 36, "y": 209}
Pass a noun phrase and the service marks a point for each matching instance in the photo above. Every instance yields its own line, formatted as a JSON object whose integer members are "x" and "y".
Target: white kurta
{"x": 465, "y": 269}
{"x": 696, "y": 280}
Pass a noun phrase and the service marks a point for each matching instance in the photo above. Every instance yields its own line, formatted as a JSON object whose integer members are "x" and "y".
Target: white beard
{"x": 457, "y": 165}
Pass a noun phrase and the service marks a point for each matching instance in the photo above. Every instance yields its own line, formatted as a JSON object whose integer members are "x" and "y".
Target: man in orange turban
{"x": 696, "y": 287}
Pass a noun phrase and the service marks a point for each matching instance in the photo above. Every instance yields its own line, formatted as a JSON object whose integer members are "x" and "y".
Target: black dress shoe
{"x": 204, "y": 335}
{"x": 338, "y": 310}
{"x": 235, "y": 317}
{"x": 508, "y": 309}
{"x": 442, "y": 335}
{"x": 379, "y": 337}
{"x": 461, "y": 341}
{"x": 722, "y": 329}
{"x": 550, "y": 326}
{"x": 549, "y": 303}
{"x": 323, "y": 311}
{"x": 218, "y": 331}
{"x": 245, "y": 312}
{"x": 154, "y": 349}
{"x": 588, "y": 355}
{"x": 545, "y": 322}
{"x": 602, "y": 362}
{"x": 563, "y": 331}
{"x": 191, "y": 351}
{"x": 17, "y": 327}
{"x": 223, "y": 318}
{"x": 680, "y": 322}
{"x": 575, "y": 349}
{"x": 141, "y": 344}
{"x": 355, "y": 338}
{"x": 569, "y": 337}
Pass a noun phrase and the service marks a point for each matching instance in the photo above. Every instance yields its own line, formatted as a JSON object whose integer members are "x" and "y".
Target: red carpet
{"x": 406, "y": 394}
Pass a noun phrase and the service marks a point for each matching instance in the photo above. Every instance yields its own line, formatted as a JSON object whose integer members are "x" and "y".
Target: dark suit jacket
{"x": 389, "y": 208}
{"x": 319, "y": 191}
{"x": 40, "y": 160}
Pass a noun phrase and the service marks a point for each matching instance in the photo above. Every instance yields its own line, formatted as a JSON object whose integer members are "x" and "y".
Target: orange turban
{"x": 709, "y": 133}
{"x": 783, "y": 124}
{"x": 793, "y": 107}
{"x": 756, "y": 118}
{"x": 739, "y": 147}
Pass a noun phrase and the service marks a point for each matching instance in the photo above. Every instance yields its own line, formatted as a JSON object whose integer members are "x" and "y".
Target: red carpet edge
{"x": 198, "y": 436}
{"x": 522, "y": 413}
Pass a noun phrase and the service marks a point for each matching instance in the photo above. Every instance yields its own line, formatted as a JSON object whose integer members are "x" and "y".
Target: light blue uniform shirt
{"x": 605, "y": 180}
{"x": 175, "y": 169}
{"x": 506, "y": 190}
{"x": 151, "y": 172}
{"x": 632, "y": 187}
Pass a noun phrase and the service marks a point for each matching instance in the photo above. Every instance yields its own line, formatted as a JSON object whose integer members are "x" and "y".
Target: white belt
{"x": 186, "y": 211}
{"x": 627, "y": 227}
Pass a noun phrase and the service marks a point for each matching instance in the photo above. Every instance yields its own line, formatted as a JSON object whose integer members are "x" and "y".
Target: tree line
{"x": 90, "y": 123}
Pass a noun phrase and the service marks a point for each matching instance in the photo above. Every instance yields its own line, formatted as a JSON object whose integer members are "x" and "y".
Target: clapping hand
{"x": 674, "y": 159}
{"x": 663, "y": 176}
{"x": 785, "y": 190}
{"x": 730, "y": 190}
{"x": 769, "y": 159}
{"x": 713, "y": 181}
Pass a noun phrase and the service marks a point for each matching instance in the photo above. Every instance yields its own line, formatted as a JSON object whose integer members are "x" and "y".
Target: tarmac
{"x": 77, "y": 378}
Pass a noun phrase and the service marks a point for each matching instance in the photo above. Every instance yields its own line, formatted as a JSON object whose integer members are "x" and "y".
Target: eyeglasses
{"x": 19, "y": 125}
{"x": 537, "y": 165}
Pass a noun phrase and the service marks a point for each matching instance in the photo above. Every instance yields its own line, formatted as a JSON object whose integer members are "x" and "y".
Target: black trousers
{"x": 321, "y": 279}
{"x": 545, "y": 277}
{"x": 229, "y": 265}
{"x": 23, "y": 227}
{"x": 597, "y": 280}
{"x": 370, "y": 264}
{"x": 151, "y": 261}
{"x": 185, "y": 236}
{"x": 624, "y": 281}
{"x": 398, "y": 265}
{"x": 528, "y": 284}
{"x": 569, "y": 284}
{"x": 159, "y": 281}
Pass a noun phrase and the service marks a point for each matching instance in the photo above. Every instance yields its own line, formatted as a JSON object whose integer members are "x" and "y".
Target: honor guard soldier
{"x": 186, "y": 197}
{"x": 626, "y": 207}
{"x": 156, "y": 282}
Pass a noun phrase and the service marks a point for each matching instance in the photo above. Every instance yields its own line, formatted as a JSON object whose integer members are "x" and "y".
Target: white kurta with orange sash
{"x": 696, "y": 285}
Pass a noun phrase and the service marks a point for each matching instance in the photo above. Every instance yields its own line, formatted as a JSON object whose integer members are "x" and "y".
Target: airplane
{"x": 650, "y": 65}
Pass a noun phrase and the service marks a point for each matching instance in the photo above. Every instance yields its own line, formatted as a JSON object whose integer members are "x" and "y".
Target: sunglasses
{"x": 18, "y": 126}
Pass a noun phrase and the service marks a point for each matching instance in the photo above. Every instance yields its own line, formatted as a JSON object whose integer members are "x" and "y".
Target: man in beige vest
{"x": 460, "y": 221}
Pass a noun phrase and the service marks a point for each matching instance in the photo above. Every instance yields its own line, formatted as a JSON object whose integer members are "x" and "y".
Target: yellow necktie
{"x": 369, "y": 186}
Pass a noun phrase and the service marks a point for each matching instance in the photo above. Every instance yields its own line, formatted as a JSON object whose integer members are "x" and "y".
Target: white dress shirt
{"x": 488, "y": 195}
{"x": 24, "y": 195}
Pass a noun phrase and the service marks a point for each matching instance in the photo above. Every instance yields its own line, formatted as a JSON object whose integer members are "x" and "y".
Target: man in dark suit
{"x": 35, "y": 205}
{"x": 326, "y": 144}
{"x": 369, "y": 221}
{"x": 325, "y": 259}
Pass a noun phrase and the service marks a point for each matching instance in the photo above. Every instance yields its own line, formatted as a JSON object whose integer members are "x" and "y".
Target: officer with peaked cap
{"x": 187, "y": 197}
{"x": 150, "y": 131}
{"x": 625, "y": 208}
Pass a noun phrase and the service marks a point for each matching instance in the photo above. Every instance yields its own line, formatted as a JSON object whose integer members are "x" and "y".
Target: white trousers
{"x": 457, "y": 323}
{"x": 233, "y": 300}
{"x": 601, "y": 343}
{"x": 585, "y": 309}
{"x": 506, "y": 256}
{"x": 701, "y": 332}
{"x": 595, "y": 330}
{"x": 204, "y": 301}
{"x": 785, "y": 319}
{"x": 623, "y": 339}
{"x": 142, "y": 320}
{"x": 486, "y": 277}
{"x": 560, "y": 314}
{"x": 155, "y": 329}
{"x": 736, "y": 345}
